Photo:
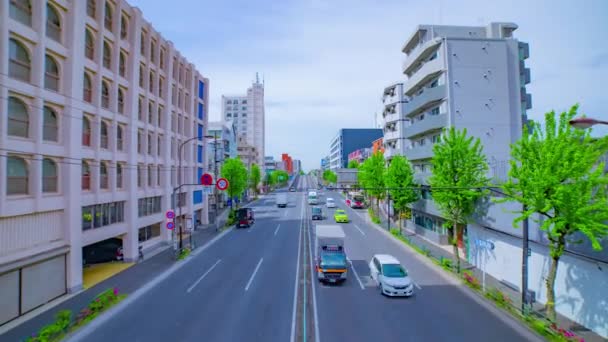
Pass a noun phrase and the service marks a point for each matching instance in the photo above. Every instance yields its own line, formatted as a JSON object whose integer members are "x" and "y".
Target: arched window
{"x": 103, "y": 176}
{"x": 151, "y": 83}
{"x": 107, "y": 20}
{"x": 53, "y": 23}
{"x": 18, "y": 118}
{"x": 122, "y": 64}
{"x": 149, "y": 143}
{"x": 50, "y": 128}
{"x": 51, "y": 73}
{"x": 149, "y": 175}
{"x": 105, "y": 95}
{"x": 124, "y": 26}
{"x": 89, "y": 45}
{"x": 121, "y": 101}
{"x": 141, "y": 75}
{"x": 107, "y": 55}
{"x": 86, "y": 176}
{"x": 87, "y": 88}
{"x": 21, "y": 10}
{"x": 142, "y": 44}
{"x": 119, "y": 138}
{"x": 91, "y": 8}
{"x": 86, "y": 131}
{"x": 20, "y": 65}
{"x": 17, "y": 176}
{"x": 119, "y": 175}
{"x": 49, "y": 175}
{"x": 104, "y": 134}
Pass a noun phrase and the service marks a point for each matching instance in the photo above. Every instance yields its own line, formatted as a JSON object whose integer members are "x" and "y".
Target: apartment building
{"x": 269, "y": 164}
{"x": 248, "y": 153}
{"x": 248, "y": 113}
{"x": 94, "y": 104}
{"x": 394, "y": 121}
{"x": 348, "y": 140}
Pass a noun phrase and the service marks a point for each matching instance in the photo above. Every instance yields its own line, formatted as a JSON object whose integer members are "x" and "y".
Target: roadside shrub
{"x": 501, "y": 299}
{"x": 372, "y": 215}
{"x": 470, "y": 280}
{"x": 446, "y": 264}
{"x": 184, "y": 253}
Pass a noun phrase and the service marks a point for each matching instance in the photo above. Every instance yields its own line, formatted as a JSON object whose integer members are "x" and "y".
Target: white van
{"x": 312, "y": 198}
{"x": 330, "y": 203}
{"x": 282, "y": 200}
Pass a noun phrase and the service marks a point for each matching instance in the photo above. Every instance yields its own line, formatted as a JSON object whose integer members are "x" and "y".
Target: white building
{"x": 393, "y": 121}
{"x": 94, "y": 103}
{"x": 247, "y": 111}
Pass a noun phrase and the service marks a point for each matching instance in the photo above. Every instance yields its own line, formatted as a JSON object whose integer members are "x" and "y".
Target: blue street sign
{"x": 170, "y": 225}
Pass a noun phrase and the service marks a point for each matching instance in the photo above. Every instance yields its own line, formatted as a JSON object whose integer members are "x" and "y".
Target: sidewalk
{"x": 438, "y": 252}
{"x": 127, "y": 282}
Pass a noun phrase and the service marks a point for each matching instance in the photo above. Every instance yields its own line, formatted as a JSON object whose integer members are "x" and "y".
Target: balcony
{"x": 429, "y": 70}
{"x": 419, "y": 152}
{"x": 390, "y": 152}
{"x": 430, "y": 122}
{"x": 422, "y": 51}
{"x": 388, "y": 118}
{"x": 430, "y": 95}
{"x": 391, "y": 135}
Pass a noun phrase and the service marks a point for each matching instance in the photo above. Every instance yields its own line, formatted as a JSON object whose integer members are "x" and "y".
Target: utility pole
{"x": 524, "y": 264}
{"x": 179, "y": 186}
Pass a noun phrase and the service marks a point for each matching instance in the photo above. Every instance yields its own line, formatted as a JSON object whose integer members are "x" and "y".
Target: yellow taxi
{"x": 340, "y": 216}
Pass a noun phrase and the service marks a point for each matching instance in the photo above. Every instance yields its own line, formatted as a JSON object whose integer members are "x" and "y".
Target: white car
{"x": 391, "y": 277}
{"x": 330, "y": 203}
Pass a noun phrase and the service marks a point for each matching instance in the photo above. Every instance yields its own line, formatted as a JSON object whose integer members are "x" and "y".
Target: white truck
{"x": 281, "y": 200}
{"x": 330, "y": 259}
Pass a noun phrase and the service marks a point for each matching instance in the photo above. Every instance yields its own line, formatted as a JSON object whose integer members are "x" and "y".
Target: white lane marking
{"x": 203, "y": 276}
{"x": 356, "y": 274}
{"x": 277, "y": 230}
{"x": 295, "y": 285}
{"x": 417, "y": 286}
{"x": 362, "y": 232}
{"x": 253, "y": 275}
{"x": 314, "y": 293}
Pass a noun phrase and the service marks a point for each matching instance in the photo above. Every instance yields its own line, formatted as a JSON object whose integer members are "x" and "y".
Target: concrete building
{"x": 394, "y": 121}
{"x": 348, "y": 140}
{"x": 248, "y": 113}
{"x": 94, "y": 103}
{"x": 360, "y": 155}
{"x": 248, "y": 153}
{"x": 269, "y": 164}
{"x": 218, "y": 150}
{"x": 297, "y": 166}
{"x": 288, "y": 162}
{"x": 325, "y": 163}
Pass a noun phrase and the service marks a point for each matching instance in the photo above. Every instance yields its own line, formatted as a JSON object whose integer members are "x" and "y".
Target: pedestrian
{"x": 141, "y": 253}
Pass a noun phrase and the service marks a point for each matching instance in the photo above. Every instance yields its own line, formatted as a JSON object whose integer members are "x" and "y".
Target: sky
{"x": 326, "y": 62}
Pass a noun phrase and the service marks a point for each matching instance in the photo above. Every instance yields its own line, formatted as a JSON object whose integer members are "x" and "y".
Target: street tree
{"x": 459, "y": 163}
{"x": 399, "y": 179}
{"x": 556, "y": 173}
{"x": 330, "y": 177}
{"x": 236, "y": 173}
{"x": 255, "y": 176}
{"x": 353, "y": 164}
{"x": 371, "y": 177}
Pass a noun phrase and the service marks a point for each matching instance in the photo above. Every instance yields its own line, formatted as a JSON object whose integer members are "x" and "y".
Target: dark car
{"x": 317, "y": 213}
{"x": 244, "y": 217}
{"x": 103, "y": 251}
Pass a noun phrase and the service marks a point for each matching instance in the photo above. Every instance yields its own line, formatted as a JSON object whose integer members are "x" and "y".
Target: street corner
{"x": 96, "y": 273}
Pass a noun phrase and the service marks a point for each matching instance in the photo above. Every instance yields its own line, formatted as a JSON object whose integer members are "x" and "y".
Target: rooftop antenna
{"x": 257, "y": 78}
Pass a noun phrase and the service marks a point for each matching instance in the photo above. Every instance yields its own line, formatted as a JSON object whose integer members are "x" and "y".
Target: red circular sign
{"x": 222, "y": 184}
{"x": 206, "y": 179}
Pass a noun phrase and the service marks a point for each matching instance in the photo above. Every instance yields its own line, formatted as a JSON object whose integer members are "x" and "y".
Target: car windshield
{"x": 332, "y": 259}
{"x": 340, "y": 212}
{"x": 316, "y": 210}
{"x": 393, "y": 271}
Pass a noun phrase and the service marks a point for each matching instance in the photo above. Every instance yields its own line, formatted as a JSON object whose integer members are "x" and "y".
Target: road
{"x": 243, "y": 287}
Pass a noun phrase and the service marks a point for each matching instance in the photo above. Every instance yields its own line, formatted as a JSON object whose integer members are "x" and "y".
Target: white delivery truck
{"x": 330, "y": 260}
{"x": 313, "y": 198}
{"x": 282, "y": 200}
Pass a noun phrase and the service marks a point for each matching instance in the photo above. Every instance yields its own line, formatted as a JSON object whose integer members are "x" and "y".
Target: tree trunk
{"x": 455, "y": 246}
{"x": 551, "y": 288}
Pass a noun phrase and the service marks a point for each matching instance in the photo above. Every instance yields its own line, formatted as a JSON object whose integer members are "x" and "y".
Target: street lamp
{"x": 584, "y": 123}
{"x": 216, "y": 210}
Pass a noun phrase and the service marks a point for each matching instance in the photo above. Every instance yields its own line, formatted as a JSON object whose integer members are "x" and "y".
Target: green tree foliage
{"x": 255, "y": 177}
{"x": 556, "y": 172}
{"x": 353, "y": 164}
{"x": 400, "y": 179}
{"x": 330, "y": 177}
{"x": 459, "y": 162}
{"x": 371, "y": 176}
{"x": 236, "y": 173}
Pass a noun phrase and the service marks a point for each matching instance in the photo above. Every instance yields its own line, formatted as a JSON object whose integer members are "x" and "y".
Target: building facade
{"x": 325, "y": 163}
{"x": 248, "y": 114}
{"x": 394, "y": 121}
{"x": 269, "y": 164}
{"x": 360, "y": 155}
{"x": 348, "y": 140}
{"x": 218, "y": 150}
{"x": 248, "y": 153}
{"x": 288, "y": 162}
{"x": 94, "y": 103}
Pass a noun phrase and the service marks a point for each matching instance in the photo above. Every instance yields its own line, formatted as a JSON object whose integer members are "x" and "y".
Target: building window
{"x": 107, "y": 55}
{"x": 124, "y": 24}
{"x": 151, "y": 82}
{"x": 119, "y": 175}
{"x": 141, "y": 75}
{"x": 107, "y": 20}
{"x": 435, "y": 111}
{"x": 150, "y": 176}
{"x": 122, "y": 64}
{"x": 160, "y": 116}
{"x": 121, "y": 101}
{"x": 244, "y": 108}
{"x": 244, "y": 102}
{"x": 149, "y": 206}
{"x": 140, "y": 108}
{"x": 161, "y": 59}
{"x": 435, "y": 138}
{"x": 161, "y": 84}
{"x": 159, "y": 144}
{"x": 149, "y": 232}
{"x": 17, "y": 176}
{"x": 105, "y": 95}
{"x": 173, "y": 94}
{"x": 150, "y": 113}
{"x": 179, "y": 124}
{"x": 89, "y": 45}
{"x": 18, "y": 118}
{"x": 142, "y": 44}
{"x": 53, "y": 23}
{"x": 175, "y": 68}
{"x": 86, "y": 131}
{"x": 86, "y": 176}
{"x": 96, "y": 216}
{"x": 87, "y": 88}
{"x": 140, "y": 176}
{"x": 21, "y": 10}
{"x": 152, "y": 51}
{"x": 91, "y": 8}
{"x": 104, "y": 135}
{"x": 119, "y": 138}
{"x": 50, "y": 125}
{"x": 158, "y": 175}
{"x": 19, "y": 61}
{"x": 173, "y": 122}
{"x": 140, "y": 137}
{"x": 51, "y": 73}
{"x": 103, "y": 176}
{"x": 49, "y": 175}
{"x": 149, "y": 143}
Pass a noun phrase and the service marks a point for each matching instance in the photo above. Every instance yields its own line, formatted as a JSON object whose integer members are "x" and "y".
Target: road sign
{"x": 170, "y": 225}
{"x": 485, "y": 244}
{"x": 208, "y": 189}
{"x": 206, "y": 179}
{"x": 222, "y": 184}
{"x": 170, "y": 214}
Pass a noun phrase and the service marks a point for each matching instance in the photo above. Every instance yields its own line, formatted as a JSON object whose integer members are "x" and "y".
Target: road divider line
{"x": 253, "y": 275}
{"x": 359, "y": 229}
{"x": 295, "y": 285}
{"x": 277, "y": 230}
{"x": 418, "y": 286}
{"x": 355, "y": 273}
{"x": 203, "y": 276}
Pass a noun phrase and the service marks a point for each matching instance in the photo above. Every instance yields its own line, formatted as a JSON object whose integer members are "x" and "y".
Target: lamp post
{"x": 216, "y": 210}
{"x": 179, "y": 186}
{"x": 584, "y": 123}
